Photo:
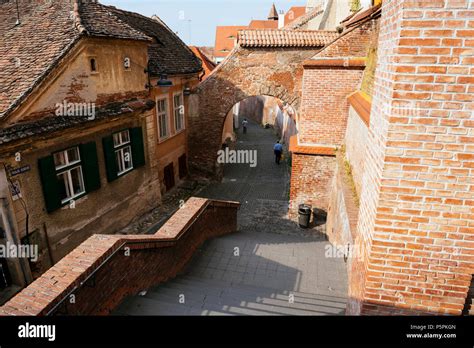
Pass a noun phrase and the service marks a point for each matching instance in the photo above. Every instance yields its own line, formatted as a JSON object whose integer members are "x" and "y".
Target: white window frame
{"x": 67, "y": 169}
{"x": 167, "y": 117}
{"x": 176, "y": 109}
{"x": 119, "y": 149}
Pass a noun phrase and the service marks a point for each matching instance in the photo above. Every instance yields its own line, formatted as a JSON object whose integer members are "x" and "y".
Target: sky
{"x": 195, "y": 21}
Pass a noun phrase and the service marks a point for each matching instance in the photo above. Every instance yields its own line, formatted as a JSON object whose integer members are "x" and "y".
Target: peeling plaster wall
{"x": 74, "y": 82}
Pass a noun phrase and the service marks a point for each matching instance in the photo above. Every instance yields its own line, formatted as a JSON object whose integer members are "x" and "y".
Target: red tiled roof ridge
{"x": 285, "y": 38}
{"x": 290, "y": 31}
{"x": 77, "y": 18}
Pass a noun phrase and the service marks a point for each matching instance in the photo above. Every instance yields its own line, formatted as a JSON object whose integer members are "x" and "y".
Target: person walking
{"x": 244, "y": 125}
{"x": 278, "y": 150}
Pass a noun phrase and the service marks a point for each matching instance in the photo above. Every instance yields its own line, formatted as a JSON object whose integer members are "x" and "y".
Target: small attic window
{"x": 93, "y": 65}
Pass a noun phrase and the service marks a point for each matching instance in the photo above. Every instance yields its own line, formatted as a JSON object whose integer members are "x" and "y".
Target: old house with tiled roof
{"x": 207, "y": 64}
{"x": 93, "y": 121}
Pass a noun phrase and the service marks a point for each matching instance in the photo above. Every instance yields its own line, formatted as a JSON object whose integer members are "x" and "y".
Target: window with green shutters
{"x": 123, "y": 152}
{"x": 69, "y": 174}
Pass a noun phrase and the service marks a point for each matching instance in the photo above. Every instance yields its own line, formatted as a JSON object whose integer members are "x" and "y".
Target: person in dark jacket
{"x": 278, "y": 150}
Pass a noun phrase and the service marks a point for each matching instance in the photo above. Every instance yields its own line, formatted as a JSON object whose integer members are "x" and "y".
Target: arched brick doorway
{"x": 250, "y": 70}
{"x": 266, "y": 111}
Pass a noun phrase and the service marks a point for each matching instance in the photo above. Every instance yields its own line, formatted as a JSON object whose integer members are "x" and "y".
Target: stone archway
{"x": 248, "y": 71}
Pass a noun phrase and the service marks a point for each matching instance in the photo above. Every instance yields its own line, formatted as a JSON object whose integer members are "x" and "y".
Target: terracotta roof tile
{"x": 99, "y": 20}
{"x": 225, "y": 39}
{"x": 53, "y": 123}
{"x": 207, "y": 64}
{"x": 31, "y": 48}
{"x": 168, "y": 54}
{"x": 285, "y": 38}
{"x": 263, "y": 24}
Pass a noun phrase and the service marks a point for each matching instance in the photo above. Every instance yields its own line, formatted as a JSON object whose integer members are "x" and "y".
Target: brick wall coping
{"x": 310, "y": 150}
{"x": 362, "y": 104}
{"x": 339, "y": 62}
{"x": 47, "y": 292}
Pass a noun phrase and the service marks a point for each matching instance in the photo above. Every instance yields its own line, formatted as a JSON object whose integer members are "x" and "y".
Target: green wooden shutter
{"x": 110, "y": 160}
{"x": 138, "y": 149}
{"x": 90, "y": 166}
{"x": 49, "y": 183}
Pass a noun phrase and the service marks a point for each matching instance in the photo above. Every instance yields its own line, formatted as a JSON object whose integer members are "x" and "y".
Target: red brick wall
{"x": 324, "y": 107}
{"x": 355, "y": 147}
{"x": 310, "y": 181}
{"x": 417, "y": 218}
{"x": 354, "y": 44}
{"x": 275, "y": 72}
{"x": 328, "y": 79}
{"x": 343, "y": 208}
{"x": 130, "y": 263}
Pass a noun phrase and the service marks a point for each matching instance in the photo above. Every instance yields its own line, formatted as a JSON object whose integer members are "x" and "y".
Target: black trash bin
{"x": 304, "y": 212}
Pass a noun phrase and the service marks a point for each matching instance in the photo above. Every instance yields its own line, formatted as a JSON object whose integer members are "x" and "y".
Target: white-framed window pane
{"x": 124, "y": 159}
{"x": 177, "y": 101}
{"x": 163, "y": 126}
{"x": 162, "y": 109}
{"x": 64, "y": 190}
{"x": 77, "y": 181}
{"x": 116, "y": 139}
{"x": 67, "y": 157}
{"x": 71, "y": 184}
{"x": 73, "y": 155}
{"x": 178, "y": 112}
{"x": 60, "y": 159}
{"x": 162, "y": 106}
{"x": 121, "y": 138}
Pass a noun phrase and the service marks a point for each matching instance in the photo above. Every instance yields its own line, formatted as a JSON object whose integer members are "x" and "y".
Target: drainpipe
{"x": 7, "y": 217}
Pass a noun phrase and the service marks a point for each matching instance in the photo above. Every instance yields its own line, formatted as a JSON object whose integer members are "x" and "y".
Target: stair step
{"x": 202, "y": 293}
{"x": 196, "y": 281}
{"x": 139, "y": 305}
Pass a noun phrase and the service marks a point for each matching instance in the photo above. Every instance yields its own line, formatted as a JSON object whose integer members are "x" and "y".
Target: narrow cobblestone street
{"x": 269, "y": 267}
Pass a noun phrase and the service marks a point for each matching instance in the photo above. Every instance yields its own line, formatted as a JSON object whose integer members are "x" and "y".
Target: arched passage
{"x": 248, "y": 71}
{"x": 264, "y": 110}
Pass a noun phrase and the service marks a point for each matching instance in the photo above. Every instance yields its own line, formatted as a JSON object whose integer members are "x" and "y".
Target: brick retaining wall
{"x": 105, "y": 269}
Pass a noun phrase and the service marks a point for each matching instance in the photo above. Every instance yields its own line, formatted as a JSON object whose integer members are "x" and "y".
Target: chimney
{"x": 281, "y": 19}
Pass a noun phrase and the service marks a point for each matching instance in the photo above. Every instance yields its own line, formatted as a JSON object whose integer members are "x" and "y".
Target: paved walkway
{"x": 270, "y": 267}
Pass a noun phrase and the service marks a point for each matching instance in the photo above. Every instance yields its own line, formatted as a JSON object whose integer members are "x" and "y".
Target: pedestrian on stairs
{"x": 278, "y": 150}
{"x": 244, "y": 125}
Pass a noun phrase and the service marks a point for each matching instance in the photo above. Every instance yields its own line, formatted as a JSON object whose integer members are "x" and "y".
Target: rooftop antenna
{"x": 17, "y": 14}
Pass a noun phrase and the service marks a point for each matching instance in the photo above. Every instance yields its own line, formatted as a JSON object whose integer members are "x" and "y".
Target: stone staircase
{"x": 189, "y": 295}
{"x": 281, "y": 269}
{"x": 274, "y": 275}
